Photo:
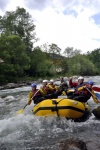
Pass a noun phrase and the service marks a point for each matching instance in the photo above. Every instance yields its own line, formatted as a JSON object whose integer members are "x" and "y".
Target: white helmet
{"x": 51, "y": 80}
{"x": 45, "y": 81}
{"x": 80, "y": 78}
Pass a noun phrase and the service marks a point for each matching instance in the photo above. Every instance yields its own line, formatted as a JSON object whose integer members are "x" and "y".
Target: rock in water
{"x": 73, "y": 144}
{"x": 96, "y": 112}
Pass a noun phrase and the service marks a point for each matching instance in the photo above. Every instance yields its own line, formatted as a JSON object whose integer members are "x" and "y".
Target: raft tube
{"x": 61, "y": 107}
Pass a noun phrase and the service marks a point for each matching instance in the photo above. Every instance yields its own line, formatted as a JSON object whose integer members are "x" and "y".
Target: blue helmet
{"x": 33, "y": 85}
{"x": 90, "y": 82}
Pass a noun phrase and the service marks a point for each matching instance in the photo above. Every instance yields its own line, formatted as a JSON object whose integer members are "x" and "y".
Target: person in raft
{"x": 64, "y": 85}
{"x": 44, "y": 88}
{"x": 37, "y": 95}
{"x": 84, "y": 93}
{"x": 75, "y": 85}
{"x": 34, "y": 93}
{"x": 52, "y": 87}
{"x": 48, "y": 91}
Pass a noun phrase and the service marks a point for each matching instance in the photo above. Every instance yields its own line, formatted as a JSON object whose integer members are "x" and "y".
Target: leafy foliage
{"x": 12, "y": 52}
{"x": 94, "y": 56}
{"x": 19, "y": 23}
{"x": 40, "y": 65}
{"x": 18, "y": 58}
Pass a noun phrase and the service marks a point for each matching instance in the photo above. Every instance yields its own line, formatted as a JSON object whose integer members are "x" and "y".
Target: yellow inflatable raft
{"x": 61, "y": 107}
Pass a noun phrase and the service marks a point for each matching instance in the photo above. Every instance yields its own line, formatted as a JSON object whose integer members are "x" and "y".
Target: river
{"x": 28, "y": 132}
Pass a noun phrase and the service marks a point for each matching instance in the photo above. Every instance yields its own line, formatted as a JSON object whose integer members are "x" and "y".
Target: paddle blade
{"x": 97, "y": 89}
{"x": 97, "y": 95}
{"x": 20, "y": 111}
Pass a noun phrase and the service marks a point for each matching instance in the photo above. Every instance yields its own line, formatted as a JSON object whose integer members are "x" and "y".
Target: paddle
{"x": 98, "y": 95}
{"x": 92, "y": 94}
{"x": 21, "y": 110}
{"x": 97, "y": 89}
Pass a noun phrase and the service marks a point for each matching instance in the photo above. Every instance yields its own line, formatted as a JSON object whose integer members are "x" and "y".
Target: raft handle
{"x": 54, "y": 102}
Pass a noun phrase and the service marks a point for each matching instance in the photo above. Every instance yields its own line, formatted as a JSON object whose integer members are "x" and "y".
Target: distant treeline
{"x": 20, "y": 59}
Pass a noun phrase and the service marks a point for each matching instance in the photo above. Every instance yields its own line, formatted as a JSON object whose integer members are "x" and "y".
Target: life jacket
{"x": 33, "y": 94}
{"x": 51, "y": 88}
{"x": 36, "y": 93}
{"x": 43, "y": 90}
{"x": 84, "y": 92}
{"x": 79, "y": 85}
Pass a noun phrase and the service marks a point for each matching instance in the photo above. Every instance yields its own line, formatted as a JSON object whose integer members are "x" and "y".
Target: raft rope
{"x": 56, "y": 108}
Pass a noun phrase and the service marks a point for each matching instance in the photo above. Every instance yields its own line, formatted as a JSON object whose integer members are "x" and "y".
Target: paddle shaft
{"x": 35, "y": 94}
{"x": 20, "y": 111}
{"x": 24, "y": 106}
{"x": 91, "y": 93}
{"x": 32, "y": 98}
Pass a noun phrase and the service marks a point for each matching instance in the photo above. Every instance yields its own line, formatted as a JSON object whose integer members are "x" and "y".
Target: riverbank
{"x": 28, "y": 81}
{"x": 19, "y": 84}
{"x": 22, "y": 83}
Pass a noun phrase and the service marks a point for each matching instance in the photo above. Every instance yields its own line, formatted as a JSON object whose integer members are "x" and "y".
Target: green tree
{"x": 40, "y": 64}
{"x": 94, "y": 57}
{"x": 19, "y": 23}
{"x": 13, "y": 54}
{"x": 70, "y": 52}
{"x": 80, "y": 65}
{"x": 54, "y": 49}
{"x": 64, "y": 64}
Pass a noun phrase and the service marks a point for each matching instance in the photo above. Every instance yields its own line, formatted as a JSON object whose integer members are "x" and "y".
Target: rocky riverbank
{"x": 14, "y": 85}
{"x": 19, "y": 84}
{"x": 26, "y": 83}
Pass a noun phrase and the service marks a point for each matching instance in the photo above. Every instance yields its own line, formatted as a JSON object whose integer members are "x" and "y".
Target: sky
{"x": 67, "y": 23}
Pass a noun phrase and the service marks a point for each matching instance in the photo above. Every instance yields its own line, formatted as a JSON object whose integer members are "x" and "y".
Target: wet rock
{"x": 1, "y": 87}
{"x": 19, "y": 84}
{"x": 14, "y": 85}
{"x": 96, "y": 112}
{"x": 11, "y": 86}
{"x": 73, "y": 144}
